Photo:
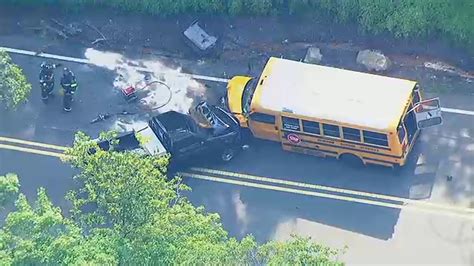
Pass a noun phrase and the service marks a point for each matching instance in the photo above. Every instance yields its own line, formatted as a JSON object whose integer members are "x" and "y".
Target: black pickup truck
{"x": 209, "y": 131}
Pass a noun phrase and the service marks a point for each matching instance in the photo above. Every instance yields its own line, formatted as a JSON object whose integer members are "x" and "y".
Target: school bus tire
{"x": 351, "y": 160}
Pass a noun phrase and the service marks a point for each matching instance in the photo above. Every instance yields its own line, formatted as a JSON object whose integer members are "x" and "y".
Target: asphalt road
{"x": 374, "y": 234}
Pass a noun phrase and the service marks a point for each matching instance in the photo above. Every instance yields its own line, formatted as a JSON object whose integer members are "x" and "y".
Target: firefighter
{"x": 46, "y": 79}
{"x": 69, "y": 84}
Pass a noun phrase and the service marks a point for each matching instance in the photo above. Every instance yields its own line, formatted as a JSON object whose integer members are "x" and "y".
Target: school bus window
{"x": 263, "y": 118}
{"x": 375, "y": 138}
{"x": 311, "y": 127}
{"x": 351, "y": 133}
{"x": 331, "y": 130}
{"x": 430, "y": 122}
{"x": 289, "y": 123}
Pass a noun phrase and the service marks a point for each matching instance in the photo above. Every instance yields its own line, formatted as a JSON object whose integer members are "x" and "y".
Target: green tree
{"x": 125, "y": 188}
{"x": 39, "y": 234}
{"x": 154, "y": 222}
{"x": 9, "y": 187}
{"x": 14, "y": 87}
{"x": 296, "y": 251}
{"x": 127, "y": 211}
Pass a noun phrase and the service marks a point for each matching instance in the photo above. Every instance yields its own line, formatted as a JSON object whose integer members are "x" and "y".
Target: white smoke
{"x": 178, "y": 93}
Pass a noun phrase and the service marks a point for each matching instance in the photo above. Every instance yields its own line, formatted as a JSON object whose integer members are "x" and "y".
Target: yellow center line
{"x": 415, "y": 204}
{"x": 324, "y": 195}
{"x": 34, "y": 151}
{"x": 33, "y": 143}
{"x": 330, "y": 189}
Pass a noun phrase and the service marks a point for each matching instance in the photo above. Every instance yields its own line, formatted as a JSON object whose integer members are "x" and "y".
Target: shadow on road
{"x": 266, "y": 211}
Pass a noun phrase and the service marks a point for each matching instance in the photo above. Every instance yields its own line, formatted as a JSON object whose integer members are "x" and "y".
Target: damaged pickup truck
{"x": 209, "y": 131}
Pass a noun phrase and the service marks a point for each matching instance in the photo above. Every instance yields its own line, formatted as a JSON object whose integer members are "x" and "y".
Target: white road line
{"x": 88, "y": 62}
{"x": 45, "y": 55}
{"x": 457, "y": 111}
{"x": 199, "y": 77}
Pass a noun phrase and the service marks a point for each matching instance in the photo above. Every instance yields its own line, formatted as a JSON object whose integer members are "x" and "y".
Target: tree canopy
{"x": 9, "y": 187}
{"x": 126, "y": 211}
{"x": 14, "y": 87}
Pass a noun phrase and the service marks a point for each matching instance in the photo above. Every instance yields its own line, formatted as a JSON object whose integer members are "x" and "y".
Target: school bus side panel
{"x": 263, "y": 125}
{"x": 309, "y": 137}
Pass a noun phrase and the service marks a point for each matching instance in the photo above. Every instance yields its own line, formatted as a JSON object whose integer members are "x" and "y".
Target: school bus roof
{"x": 320, "y": 92}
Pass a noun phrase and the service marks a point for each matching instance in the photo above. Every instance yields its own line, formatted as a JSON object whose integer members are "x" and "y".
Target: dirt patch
{"x": 142, "y": 33}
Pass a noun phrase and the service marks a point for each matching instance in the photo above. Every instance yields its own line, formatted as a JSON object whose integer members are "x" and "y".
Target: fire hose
{"x": 170, "y": 94}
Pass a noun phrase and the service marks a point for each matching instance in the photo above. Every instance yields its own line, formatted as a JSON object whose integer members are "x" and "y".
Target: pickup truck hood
{"x": 151, "y": 143}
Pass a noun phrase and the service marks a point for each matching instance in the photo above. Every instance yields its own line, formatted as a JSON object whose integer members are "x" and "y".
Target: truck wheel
{"x": 227, "y": 154}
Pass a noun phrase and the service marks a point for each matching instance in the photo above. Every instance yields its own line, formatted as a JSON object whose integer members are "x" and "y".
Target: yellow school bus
{"x": 331, "y": 112}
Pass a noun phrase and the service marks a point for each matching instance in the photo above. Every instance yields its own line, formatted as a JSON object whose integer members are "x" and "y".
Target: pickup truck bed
{"x": 182, "y": 137}
{"x": 127, "y": 141}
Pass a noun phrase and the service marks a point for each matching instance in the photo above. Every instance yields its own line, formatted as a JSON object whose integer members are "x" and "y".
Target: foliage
{"x": 147, "y": 212}
{"x": 14, "y": 87}
{"x": 125, "y": 188}
{"x": 9, "y": 187}
{"x": 126, "y": 212}
{"x": 41, "y": 235}
{"x": 152, "y": 221}
{"x": 297, "y": 251}
{"x": 236, "y": 7}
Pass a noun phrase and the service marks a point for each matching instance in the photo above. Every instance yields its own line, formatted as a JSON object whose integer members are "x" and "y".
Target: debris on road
{"x": 313, "y": 55}
{"x": 440, "y": 66}
{"x": 102, "y": 36}
{"x": 105, "y": 116}
{"x": 373, "y": 60}
{"x": 58, "y": 29}
{"x": 71, "y": 29}
{"x": 199, "y": 39}
{"x": 129, "y": 93}
{"x": 48, "y": 28}
{"x": 101, "y": 117}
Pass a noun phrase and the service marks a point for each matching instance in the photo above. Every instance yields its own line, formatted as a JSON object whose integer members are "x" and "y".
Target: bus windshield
{"x": 247, "y": 96}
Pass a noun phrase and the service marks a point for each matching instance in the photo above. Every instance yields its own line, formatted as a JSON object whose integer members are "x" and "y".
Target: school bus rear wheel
{"x": 351, "y": 160}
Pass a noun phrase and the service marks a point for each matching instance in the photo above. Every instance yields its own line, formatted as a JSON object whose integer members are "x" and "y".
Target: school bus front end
{"x": 234, "y": 97}
{"x": 418, "y": 114}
